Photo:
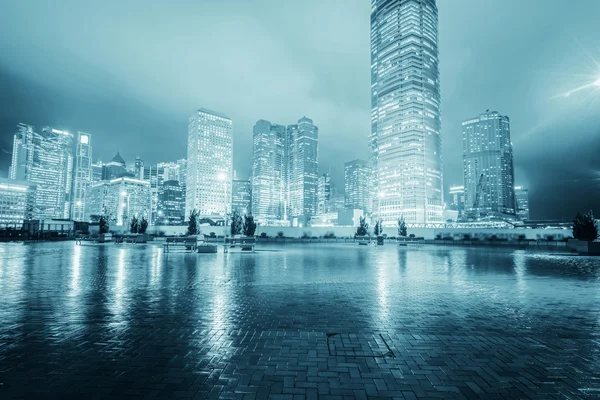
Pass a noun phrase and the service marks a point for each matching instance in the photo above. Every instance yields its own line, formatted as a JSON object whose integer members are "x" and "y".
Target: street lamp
{"x": 221, "y": 177}
{"x": 380, "y": 196}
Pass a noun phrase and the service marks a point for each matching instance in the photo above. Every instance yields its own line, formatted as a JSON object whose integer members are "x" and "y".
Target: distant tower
{"x": 323, "y": 193}
{"x": 209, "y": 163}
{"x": 488, "y": 165}
{"x": 357, "y": 175}
{"x": 46, "y": 160}
{"x": 82, "y": 175}
{"x": 269, "y": 184}
{"x": 303, "y": 170}
{"x": 406, "y": 138}
{"x": 522, "y": 203}
{"x": 139, "y": 168}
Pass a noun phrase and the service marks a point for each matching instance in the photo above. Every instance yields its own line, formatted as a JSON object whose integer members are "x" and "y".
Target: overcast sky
{"x": 131, "y": 72}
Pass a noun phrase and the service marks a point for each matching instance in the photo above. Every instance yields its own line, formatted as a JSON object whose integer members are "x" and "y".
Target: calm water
{"x": 69, "y": 311}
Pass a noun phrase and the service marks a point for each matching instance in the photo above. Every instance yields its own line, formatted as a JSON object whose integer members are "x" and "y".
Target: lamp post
{"x": 380, "y": 196}
{"x": 221, "y": 177}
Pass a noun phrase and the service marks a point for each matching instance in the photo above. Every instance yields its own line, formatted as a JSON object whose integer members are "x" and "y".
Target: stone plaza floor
{"x": 298, "y": 321}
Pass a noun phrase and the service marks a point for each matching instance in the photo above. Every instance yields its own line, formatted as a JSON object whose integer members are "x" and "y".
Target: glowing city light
{"x": 221, "y": 177}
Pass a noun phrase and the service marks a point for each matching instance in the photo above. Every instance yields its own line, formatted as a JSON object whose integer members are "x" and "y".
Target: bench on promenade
{"x": 244, "y": 243}
{"x": 187, "y": 243}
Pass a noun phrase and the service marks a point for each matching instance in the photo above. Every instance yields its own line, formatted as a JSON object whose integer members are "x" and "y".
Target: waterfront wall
{"x": 341, "y": 231}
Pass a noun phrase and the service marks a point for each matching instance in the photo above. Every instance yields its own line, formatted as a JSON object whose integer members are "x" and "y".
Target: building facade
{"x": 269, "y": 183}
{"x": 357, "y": 177}
{"x": 303, "y": 171}
{"x": 406, "y": 139}
{"x": 457, "y": 200}
{"x": 17, "y": 202}
{"x": 522, "y": 203}
{"x": 241, "y": 201}
{"x": 323, "y": 193}
{"x": 82, "y": 175}
{"x": 488, "y": 165}
{"x": 45, "y": 159}
{"x": 120, "y": 200}
{"x": 209, "y": 164}
{"x": 171, "y": 203}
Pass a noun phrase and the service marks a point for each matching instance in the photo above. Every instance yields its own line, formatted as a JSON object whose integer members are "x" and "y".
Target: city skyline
{"x": 523, "y": 86}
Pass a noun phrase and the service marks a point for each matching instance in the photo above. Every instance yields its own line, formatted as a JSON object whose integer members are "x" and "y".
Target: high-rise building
{"x": 45, "y": 159}
{"x": 405, "y": 136}
{"x": 182, "y": 174}
{"x": 209, "y": 164}
{"x": 323, "y": 193}
{"x": 116, "y": 168}
{"x": 97, "y": 171}
{"x": 241, "y": 201}
{"x": 522, "y": 203}
{"x": 171, "y": 204}
{"x": 120, "y": 200}
{"x": 303, "y": 170}
{"x": 336, "y": 203}
{"x": 139, "y": 168}
{"x": 457, "y": 199}
{"x": 17, "y": 202}
{"x": 269, "y": 185}
{"x": 82, "y": 175}
{"x": 357, "y": 176}
{"x": 488, "y": 165}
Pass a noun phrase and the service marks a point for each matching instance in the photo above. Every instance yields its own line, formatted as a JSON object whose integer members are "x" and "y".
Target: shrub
{"x": 412, "y": 235}
{"x": 584, "y": 227}
{"x": 550, "y": 238}
{"x": 363, "y": 227}
{"x": 401, "y": 226}
{"x": 192, "y": 228}
{"x": 134, "y": 225}
{"x": 236, "y": 224}
{"x": 378, "y": 228}
{"x": 466, "y": 236}
{"x": 249, "y": 225}
{"x": 103, "y": 222}
{"x": 305, "y": 235}
{"x": 521, "y": 238}
{"x": 280, "y": 234}
{"x": 143, "y": 226}
{"x": 329, "y": 235}
{"x": 212, "y": 235}
{"x": 263, "y": 235}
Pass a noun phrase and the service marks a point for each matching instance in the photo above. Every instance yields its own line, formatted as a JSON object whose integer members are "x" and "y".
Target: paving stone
{"x": 302, "y": 321}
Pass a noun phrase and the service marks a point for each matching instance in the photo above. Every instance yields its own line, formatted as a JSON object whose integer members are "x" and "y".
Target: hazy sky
{"x": 131, "y": 72}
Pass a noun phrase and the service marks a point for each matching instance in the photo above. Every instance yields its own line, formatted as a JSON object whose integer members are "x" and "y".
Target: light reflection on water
{"x": 111, "y": 282}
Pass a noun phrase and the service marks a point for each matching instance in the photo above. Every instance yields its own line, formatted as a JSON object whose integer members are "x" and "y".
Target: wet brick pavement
{"x": 301, "y": 321}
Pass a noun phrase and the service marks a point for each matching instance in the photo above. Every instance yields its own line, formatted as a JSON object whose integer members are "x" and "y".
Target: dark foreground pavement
{"x": 297, "y": 322}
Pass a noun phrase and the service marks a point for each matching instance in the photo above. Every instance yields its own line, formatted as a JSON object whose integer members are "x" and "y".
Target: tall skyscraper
{"x": 357, "y": 175}
{"x": 46, "y": 160}
{"x": 97, "y": 169}
{"x": 139, "y": 168}
{"x": 151, "y": 175}
{"x": 241, "y": 200}
{"x": 209, "y": 164}
{"x": 82, "y": 175}
{"x": 488, "y": 165}
{"x": 303, "y": 170}
{"x": 405, "y": 136}
{"x": 269, "y": 185}
{"x": 323, "y": 193}
{"x": 171, "y": 204}
{"x": 522, "y": 203}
